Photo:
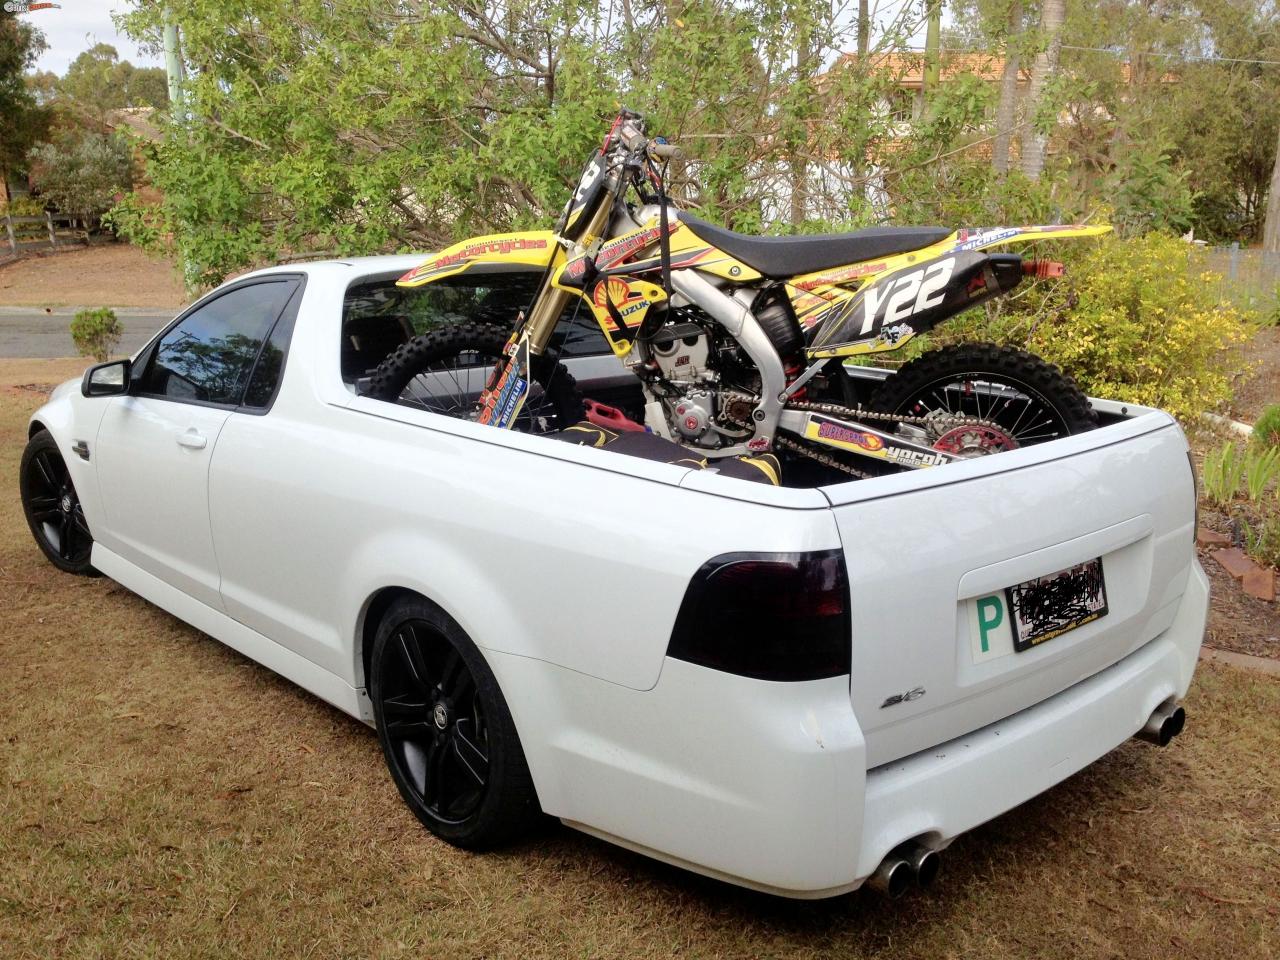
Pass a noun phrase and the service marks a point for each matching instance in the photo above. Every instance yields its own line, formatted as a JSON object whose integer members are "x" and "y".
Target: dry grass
{"x": 113, "y": 275}
{"x": 163, "y": 796}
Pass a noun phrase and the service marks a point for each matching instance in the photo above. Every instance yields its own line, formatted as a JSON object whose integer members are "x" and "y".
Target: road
{"x": 35, "y": 332}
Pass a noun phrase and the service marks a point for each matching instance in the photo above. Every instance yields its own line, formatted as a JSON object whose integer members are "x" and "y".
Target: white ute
{"x": 287, "y": 516}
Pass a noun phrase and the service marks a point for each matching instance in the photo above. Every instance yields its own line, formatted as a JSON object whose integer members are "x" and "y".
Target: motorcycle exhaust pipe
{"x": 893, "y": 877}
{"x": 924, "y": 862}
{"x": 1165, "y": 723}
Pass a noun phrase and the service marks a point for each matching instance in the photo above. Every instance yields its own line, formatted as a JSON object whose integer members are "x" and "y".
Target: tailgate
{"x": 925, "y": 562}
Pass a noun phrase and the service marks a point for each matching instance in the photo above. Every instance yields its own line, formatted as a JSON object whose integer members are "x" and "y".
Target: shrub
{"x": 1263, "y": 541}
{"x": 1136, "y": 319}
{"x": 1266, "y": 430}
{"x": 1221, "y": 474}
{"x": 96, "y": 332}
{"x": 1261, "y": 466}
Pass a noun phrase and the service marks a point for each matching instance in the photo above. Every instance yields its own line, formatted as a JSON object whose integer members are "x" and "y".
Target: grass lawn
{"x": 163, "y": 796}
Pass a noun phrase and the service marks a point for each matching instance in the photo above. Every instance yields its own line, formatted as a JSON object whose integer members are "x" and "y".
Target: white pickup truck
{"x": 798, "y": 689}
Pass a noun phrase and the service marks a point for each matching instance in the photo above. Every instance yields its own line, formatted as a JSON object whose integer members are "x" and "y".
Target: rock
{"x": 1260, "y": 583}
{"x": 1234, "y": 561}
{"x": 1211, "y": 538}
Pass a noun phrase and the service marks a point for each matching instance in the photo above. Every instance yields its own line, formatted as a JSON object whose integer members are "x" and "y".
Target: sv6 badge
{"x": 913, "y": 694}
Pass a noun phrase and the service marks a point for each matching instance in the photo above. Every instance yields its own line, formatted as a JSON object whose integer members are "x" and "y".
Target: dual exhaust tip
{"x": 1165, "y": 723}
{"x": 914, "y": 865}
{"x": 910, "y": 865}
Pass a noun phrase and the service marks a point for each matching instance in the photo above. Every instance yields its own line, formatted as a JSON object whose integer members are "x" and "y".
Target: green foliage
{"x": 23, "y": 121}
{"x": 83, "y": 174}
{"x": 99, "y": 80}
{"x": 1148, "y": 193}
{"x": 1133, "y": 320}
{"x": 1221, "y": 474}
{"x": 1266, "y": 430}
{"x": 1261, "y": 466}
{"x": 96, "y": 332}
{"x": 1262, "y": 540}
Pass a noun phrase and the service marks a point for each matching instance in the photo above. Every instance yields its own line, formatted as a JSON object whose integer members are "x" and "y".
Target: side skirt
{"x": 237, "y": 636}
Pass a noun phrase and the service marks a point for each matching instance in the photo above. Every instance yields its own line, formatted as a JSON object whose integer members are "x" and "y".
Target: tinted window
{"x": 208, "y": 356}
{"x": 378, "y": 316}
{"x": 266, "y": 375}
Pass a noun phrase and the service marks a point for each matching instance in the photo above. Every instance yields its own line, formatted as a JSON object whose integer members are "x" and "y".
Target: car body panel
{"x": 566, "y": 565}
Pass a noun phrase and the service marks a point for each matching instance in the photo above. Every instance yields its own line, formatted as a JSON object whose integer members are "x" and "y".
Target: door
{"x": 154, "y": 445}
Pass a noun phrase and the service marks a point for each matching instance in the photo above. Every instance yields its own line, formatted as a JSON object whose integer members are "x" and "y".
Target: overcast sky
{"x": 78, "y": 26}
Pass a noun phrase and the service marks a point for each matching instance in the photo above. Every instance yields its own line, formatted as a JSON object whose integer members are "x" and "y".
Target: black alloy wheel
{"x": 52, "y": 506}
{"x": 445, "y": 729}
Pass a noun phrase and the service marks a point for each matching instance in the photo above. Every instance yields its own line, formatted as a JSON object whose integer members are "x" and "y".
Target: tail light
{"x": 772, "y": 616}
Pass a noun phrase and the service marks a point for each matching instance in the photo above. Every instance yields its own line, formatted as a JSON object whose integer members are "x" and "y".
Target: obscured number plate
{"x": 1050, "y": 606}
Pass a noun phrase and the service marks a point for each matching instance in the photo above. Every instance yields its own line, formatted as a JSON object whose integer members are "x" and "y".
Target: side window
{"x": 208, "y": 356}
{"x": 265, "y": 380}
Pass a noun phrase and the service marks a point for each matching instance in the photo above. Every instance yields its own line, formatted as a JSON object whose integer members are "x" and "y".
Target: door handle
{"x": 192, "y": 438}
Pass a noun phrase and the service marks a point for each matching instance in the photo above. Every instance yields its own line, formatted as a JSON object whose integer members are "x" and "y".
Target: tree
{"x": 23, "y": 121}
{"x": 100, "y": 81}
{"x": 1007, "y": 110}
{"x": 1052, "y": 13}
{"x": 83, "y": 173}
{"x": 1271, "y": 234}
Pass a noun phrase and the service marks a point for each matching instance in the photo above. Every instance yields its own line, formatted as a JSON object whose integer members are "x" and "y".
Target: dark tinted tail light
{"x": 773, "y": 616}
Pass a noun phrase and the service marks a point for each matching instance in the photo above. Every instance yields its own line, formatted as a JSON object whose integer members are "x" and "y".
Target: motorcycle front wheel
{"x": 1029, "y": 400}
{"x": 444, "y": 371}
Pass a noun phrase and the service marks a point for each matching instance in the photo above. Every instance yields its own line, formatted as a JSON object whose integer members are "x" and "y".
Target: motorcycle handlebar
{"x": 666, "y": 151}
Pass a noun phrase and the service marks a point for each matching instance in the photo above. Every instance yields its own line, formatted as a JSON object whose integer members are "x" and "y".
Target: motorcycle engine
{"x": 685, "y": 373}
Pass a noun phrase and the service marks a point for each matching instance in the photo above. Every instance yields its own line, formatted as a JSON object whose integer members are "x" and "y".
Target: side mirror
{"x": 106, "y": 379}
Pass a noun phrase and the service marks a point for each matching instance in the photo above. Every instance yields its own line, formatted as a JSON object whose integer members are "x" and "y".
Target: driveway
{"x": 36, "y": 332}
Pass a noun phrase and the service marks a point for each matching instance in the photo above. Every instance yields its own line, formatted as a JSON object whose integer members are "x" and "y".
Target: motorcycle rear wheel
{"x": 1032, "y": 400}
{"x": 444, "y": 370}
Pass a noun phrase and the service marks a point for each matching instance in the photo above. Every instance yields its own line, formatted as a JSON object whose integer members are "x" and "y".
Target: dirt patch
{"x": 1261, "y": 385}
{"x": 162, "y": 795}
{"x": 111, "y": 275}
{"x": 1237, "y": 621}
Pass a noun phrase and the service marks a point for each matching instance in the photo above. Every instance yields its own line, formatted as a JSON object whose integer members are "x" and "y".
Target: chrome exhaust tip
{"x": 924, "y": 862}
{"x": 1165, "y": 723}
{"x": 893, "y": 877}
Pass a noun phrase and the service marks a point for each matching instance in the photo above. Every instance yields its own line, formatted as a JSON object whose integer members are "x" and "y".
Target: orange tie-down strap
{"x": 763, "y": 468}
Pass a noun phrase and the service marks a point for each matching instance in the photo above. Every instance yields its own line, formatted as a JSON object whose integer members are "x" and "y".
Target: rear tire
{"x": 446, "y": 732}
{"x": 448, "y": 353}
{"x": 1037, "y": 402}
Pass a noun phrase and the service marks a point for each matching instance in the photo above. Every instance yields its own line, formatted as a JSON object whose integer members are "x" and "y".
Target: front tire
{"x": 1032, "y": 400}
{"x": 445, "y": 730}
{"x": 444, "y": 370}
{"x": 52, "y": 507}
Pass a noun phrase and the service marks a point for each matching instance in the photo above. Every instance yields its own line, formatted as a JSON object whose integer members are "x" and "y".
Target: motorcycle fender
{"x": 533, "y": 249}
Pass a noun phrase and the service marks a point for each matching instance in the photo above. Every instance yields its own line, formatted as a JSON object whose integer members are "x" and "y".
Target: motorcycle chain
{"x": 856, "y": 413}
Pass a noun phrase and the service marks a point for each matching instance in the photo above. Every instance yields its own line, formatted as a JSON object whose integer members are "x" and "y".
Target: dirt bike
{"x": 736, "y": 338}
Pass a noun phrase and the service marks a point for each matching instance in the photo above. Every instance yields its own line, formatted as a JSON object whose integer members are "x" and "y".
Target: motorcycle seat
{"x": 783, "y": 257}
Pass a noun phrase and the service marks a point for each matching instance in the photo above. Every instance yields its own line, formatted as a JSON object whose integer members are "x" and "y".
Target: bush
{"x": 1267, "y": 430}
{"x": 1136, "y": 319}
{"x": 96, "y": 332}
{"x": 83, "y": 175}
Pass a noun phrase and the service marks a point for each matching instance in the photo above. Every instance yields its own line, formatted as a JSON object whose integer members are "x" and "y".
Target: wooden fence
{"x": 47, "y": 232}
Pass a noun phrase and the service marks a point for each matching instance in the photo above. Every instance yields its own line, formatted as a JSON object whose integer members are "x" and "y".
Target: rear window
{"x": 378, "y": 316}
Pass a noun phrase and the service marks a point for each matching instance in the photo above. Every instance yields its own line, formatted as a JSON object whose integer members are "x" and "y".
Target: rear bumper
{"x": 940, "y": 793}
{"x": 766, "y": 785}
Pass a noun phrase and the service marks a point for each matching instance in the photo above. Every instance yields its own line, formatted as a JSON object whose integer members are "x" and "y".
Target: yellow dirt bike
{"x": 737, "y": 340}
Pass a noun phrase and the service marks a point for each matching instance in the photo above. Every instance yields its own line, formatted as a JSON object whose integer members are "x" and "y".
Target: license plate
{"x": 1035, "y": 611}
{"x": 1048, "y": 607}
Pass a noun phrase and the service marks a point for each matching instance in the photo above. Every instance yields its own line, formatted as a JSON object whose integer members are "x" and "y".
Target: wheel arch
{"x": 375, "y": 607}
{"x": 35, "y": 427}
